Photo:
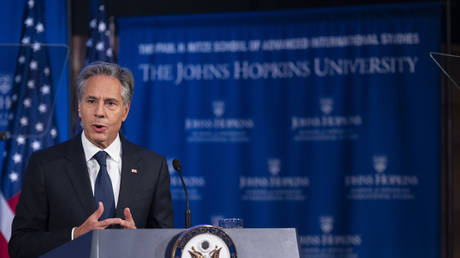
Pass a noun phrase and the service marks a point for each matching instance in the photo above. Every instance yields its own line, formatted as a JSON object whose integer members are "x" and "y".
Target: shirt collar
{"x": 90, "y": 149}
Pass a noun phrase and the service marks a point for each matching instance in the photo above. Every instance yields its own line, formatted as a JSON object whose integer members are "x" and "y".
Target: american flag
{"x": 98, "y": 45}
{"x": 31, "y": 122}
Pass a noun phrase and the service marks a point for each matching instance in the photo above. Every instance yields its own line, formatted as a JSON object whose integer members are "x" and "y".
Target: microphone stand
{"x": 188, "y": 214}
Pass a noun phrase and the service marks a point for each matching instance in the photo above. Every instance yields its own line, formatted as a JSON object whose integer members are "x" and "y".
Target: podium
{"x": 114, "y": 243}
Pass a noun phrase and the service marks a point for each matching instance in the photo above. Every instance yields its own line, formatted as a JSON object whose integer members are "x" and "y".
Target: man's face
{"x": 101, "y": 110}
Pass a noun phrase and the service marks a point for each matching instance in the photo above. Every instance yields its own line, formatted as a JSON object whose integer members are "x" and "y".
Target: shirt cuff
{"x": 71, "y": 233}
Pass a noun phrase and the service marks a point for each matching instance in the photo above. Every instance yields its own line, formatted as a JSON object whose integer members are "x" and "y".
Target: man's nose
{"x": 99, "y": 112}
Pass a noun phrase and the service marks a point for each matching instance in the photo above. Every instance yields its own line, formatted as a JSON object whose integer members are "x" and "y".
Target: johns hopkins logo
{"x": 327, "y": 239}
{"x": 218, "y": 107}
{"x": 274, "y": 166}
{"x": 380, "y": 163}
{"x": 5, "y": 84}
{"x": 218, "y": 128}
{"x": 326, "y": 224}
{"x": 327, "y": 105}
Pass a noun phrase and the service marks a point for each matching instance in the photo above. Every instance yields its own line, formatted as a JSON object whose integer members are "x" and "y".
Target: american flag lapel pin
{"x": 133, "y": 170}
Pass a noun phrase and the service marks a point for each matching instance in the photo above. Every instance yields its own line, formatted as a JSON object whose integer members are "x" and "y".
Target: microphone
{"x": 188, "y": 216}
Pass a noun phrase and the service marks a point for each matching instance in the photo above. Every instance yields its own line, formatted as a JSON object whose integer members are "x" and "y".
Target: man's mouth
{"x": 99, "y": 127}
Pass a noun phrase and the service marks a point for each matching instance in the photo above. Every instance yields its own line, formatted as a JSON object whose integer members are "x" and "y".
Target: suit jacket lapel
{"x": 78, "y": 174}
{"x": 131, "y": 175}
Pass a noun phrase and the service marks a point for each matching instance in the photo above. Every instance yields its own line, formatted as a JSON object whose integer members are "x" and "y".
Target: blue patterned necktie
{"x": 103, "y": 191}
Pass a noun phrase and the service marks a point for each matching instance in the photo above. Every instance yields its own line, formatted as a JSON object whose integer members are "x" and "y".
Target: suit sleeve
{"x": 30, "y": 236}
{"x": 161, "y": 211}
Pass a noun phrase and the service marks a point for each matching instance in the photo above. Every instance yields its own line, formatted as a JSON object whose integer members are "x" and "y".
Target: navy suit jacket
{"x": 56, "y": 195}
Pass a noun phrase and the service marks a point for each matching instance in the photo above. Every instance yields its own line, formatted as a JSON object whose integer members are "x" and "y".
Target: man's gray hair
{"x": 123, "y": 75}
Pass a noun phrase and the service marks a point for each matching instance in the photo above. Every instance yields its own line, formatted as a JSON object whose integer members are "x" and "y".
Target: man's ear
{"x": 78, "y": 108}
{"x": 126, "y": 111}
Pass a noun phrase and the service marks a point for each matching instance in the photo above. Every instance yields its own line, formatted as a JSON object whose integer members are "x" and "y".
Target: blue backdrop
{"x": 326, "y": 120}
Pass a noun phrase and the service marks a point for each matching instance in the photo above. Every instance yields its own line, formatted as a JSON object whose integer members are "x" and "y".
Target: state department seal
{"x": 204, "y": 241}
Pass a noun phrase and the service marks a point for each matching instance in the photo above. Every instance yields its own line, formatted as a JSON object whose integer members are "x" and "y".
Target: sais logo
{"x": 218, "y": 107}
{"x": 327, "y": 105}
{"x": 274, "y": 166}
{"x": 5, "y": 84}
{"x": 380, "y": 163}
{"x": 326, "y": 224}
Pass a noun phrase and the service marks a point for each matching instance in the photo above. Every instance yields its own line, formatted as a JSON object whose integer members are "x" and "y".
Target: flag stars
{"x": 33, "y": 65}
{"x": 40, "y": 28}
{"x": 25, "y": 40}
{"x": 89, "y": 43}
{"x": 24, "y": 121}
{"x": 101, "y": 8}
{"x": 31, "y": 84}
{"x": 36, "y": 145}
{"x": 27, "y": 103}
{"x": 109, "y": 52}
{"x": 42, "y": 108}
{"x": 21, "y": 140}
{"x": 45, "y": 89}
{"x": 101, "y": 27}
{"x": 22, "y": 59}
{"x": 53, "y": 133}
{"x": 32, "y": 105}
{"x": 39, "y": 127}
{"x": 17, "y": 158}
{"x": 100, "y": 46}
{"x": 29, "y": 22}
{"x": 13, "y": 176}
{"x": 92, "y": 23}
{"x": 36, "y": 46}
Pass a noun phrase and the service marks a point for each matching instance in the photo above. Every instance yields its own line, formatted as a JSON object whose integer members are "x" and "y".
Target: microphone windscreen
{"x": 176, "y": 164}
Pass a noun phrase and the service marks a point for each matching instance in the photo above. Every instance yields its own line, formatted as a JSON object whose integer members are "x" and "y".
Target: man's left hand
{"x": 128, "y": 222}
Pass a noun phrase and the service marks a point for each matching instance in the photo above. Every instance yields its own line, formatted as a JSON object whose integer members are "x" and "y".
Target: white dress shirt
{"x": 113, "y": 163}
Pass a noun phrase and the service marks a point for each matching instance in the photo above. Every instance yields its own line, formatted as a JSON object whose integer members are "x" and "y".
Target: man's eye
{"x": 91, "y": 101}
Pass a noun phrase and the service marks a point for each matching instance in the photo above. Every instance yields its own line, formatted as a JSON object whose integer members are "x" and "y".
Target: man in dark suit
{"x": 96, "y": 180}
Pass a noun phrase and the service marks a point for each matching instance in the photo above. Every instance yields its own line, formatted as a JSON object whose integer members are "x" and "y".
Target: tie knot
{"x": 101, "y": 157}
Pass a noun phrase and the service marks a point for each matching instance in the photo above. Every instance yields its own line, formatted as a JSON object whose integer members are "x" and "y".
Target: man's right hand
{"x": 93, "y": 222}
